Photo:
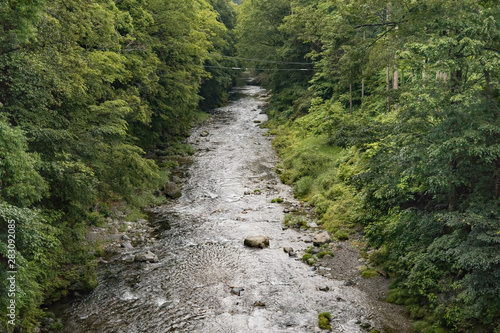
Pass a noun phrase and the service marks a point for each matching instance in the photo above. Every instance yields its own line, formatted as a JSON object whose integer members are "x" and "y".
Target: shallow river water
{"x": 202, "y": 256}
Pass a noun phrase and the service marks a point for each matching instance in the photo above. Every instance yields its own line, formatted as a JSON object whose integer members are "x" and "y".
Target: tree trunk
{"x": 350, "y": 98}
{"x": 388, "y": 82}
{"x": 363, "y": 77}
{"x": 395, "y": 80}
{"x": 395, "y": 84}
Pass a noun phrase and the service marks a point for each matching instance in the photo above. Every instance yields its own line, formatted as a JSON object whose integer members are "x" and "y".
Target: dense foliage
{"x": 86, "y": 87}
{"x": 400, "y": 136}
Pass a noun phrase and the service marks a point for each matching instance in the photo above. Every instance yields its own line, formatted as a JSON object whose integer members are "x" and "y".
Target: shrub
{"x": 324, "y": 320}
{"x": 303, "y": 186}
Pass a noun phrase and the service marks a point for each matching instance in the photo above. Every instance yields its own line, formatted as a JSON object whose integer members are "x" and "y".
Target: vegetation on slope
{"x": 395, "y": 131}
{"x": 86, "y": 88}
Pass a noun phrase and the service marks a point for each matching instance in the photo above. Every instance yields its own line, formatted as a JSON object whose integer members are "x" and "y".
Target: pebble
{"x": 237, "y": 291}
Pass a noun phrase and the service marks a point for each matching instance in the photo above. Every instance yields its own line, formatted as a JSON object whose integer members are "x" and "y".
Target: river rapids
{"x": 226, "y": 198}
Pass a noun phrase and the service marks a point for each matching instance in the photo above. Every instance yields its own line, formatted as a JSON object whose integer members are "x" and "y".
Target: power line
{"x": 262, "y": 69}
{"x": 268, "y": 61}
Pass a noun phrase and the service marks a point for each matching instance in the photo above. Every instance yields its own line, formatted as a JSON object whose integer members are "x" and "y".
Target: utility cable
{"x": 267, "y": 61}
{"x": 263, "y": 69}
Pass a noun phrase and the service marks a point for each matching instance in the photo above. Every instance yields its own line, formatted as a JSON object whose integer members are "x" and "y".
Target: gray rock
{"x": 171, "y": 190}
{"x": 288, "y": 249}
{"x": 148, "y": 256}
{"x": 257, "y": 241}
{"x": 129, "y": 258}
{"x": 126, "y": 245}
{"x": 236, "y": 291}
{"x": 349, "y": 283}
{"x": 292, "y": 254}
{"x": 322, "y": 238}
{"x": 125, "y": 237}
{"x": 176, "y": 179}
{"x": 324, "y": 288}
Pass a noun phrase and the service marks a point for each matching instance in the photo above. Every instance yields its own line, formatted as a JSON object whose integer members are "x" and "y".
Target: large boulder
{"x": 171, "y": 190}
{"x": 322, "y": 238}
{"x": 257, "y": 241}
{"x": 148, "y": 256}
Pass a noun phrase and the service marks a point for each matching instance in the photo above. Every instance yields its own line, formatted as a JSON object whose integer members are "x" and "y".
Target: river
{"x": 226, "y": 198}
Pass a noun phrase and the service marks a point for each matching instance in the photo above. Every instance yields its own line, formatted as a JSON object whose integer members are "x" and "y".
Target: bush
{"x": 369, "y": 273}
{"x": 303, "y": 186}
{"x": 341, "y": 235}
{"x": 324, "y": 253}
{"x": 293, "y": 221}
{"x": 309, "y": 259}
{"x": 324, "y": 320}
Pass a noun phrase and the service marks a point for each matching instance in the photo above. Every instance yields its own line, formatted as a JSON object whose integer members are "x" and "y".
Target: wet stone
{"x": 126, "y": 245}
{"x": 171, "y": 190}
{"x": 129, "y": 258}
{"x": 237, "y": 291}
{"x": 257, "y": 241}
{"x": 148, "y": 256}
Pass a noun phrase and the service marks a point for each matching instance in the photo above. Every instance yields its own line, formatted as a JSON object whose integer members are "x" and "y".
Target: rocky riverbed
{"x": 187, "y": 268}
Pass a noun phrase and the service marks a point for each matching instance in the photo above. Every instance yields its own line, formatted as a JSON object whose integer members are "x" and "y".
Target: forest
{"x": 395, "y": 134}
{"x": 385, "y": 115}
{"x": 87, "y": 89}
